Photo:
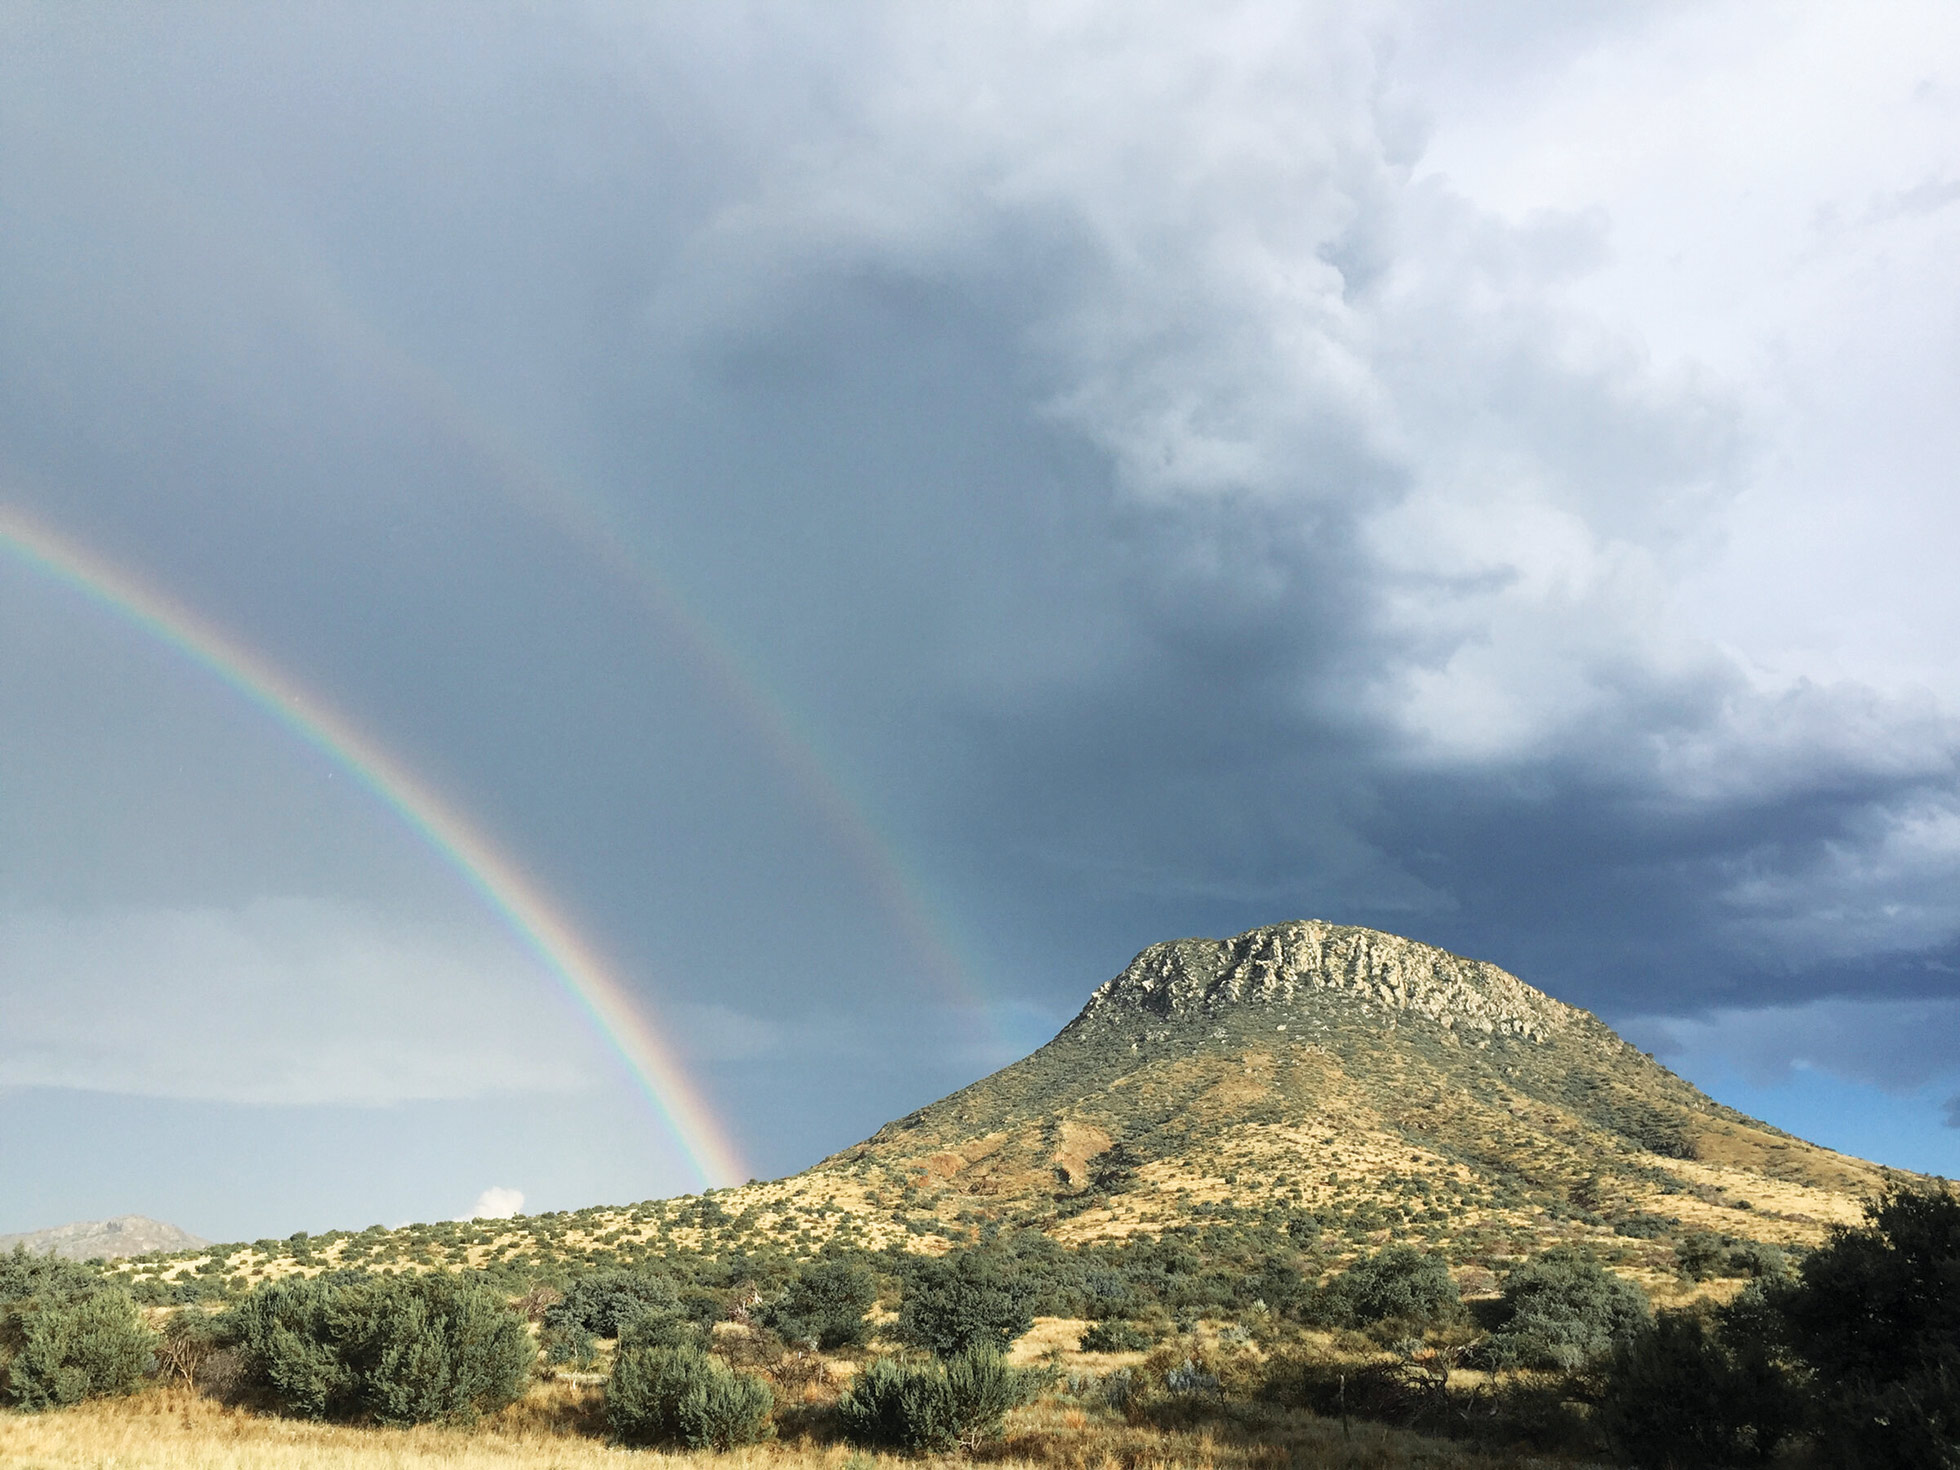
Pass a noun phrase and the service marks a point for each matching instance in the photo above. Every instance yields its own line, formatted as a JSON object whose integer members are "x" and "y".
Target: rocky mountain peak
{"x": 1284, "y": 964}
{"x": 126, "y": 1235}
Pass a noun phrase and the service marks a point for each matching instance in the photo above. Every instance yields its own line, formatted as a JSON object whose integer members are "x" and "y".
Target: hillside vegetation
{"x": 1309, "y": 1175}
{"x": 1335, "y": 1085}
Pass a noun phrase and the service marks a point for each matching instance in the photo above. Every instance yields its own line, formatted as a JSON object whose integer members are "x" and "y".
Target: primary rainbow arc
{"x": 521, "y": 903}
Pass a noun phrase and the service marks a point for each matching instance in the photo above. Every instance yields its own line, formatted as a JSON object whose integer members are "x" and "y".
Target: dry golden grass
{"x": 556, "y": 1429}
{"x": 169, "y": 1429}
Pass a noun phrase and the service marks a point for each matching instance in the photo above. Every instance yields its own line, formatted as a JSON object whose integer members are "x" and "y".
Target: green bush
{"x": 964, "y": 1301}
{"x": 1564, "y": 1310}
{"x": 1397, "y": 1284}
{"x": 396, "y": 1349}
{"x": 1703, "y": 1254}
{"x": 933, "y": 1408}
{"x": 1875, "y": 1313}
{"x": 573, "y": 1346}
{"x": 681, "y": 1396}
{"x": 1683, "y": 1392}
{"x": 69, "y": 1345}
{"x": 24, "y": 1275}
{"x": 826, "y": 1304}
{"x": 605, "y": 1301}
{"x": 1115, "y": 1337}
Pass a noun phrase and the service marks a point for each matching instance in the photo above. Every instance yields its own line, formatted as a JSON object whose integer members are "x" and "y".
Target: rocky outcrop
{"x": 1192, "y": 979}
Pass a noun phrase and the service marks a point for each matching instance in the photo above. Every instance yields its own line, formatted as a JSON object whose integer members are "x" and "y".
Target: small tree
{"x": 681, "y": 1396}
{"x": 964, "y": 1301}
{"x": 66, "y": 1334}
{"x": 933, "y": 1408}
{"x": 1875, "y": 1314}
{"x": 1398, "y": 1284}
{"x": 191, "y": 1336}
{"x": 827, "y": 1304}
{"x": 1564, "y": 1310}
{"x": 1683, "y": 1391}
{"x": 1115, "y": 1336}
{"x": 606, "y": 1301}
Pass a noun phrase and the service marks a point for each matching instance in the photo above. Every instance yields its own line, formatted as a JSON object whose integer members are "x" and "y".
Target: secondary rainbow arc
{"x": 619, "y": 1017}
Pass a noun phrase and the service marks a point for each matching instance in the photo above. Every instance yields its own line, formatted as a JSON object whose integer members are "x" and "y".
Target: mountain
{"x": 1334, "y": 1085}
{"x": 1344, "y": 1083}
{"x": 126, "y": 1235}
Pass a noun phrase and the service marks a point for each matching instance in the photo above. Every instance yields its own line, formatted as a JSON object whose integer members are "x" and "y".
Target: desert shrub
{"x": 71, "y": 1344}
{"x": 571, "y": 1347}
{"x": 1703, "y": 1254}
{"x": 605, "y": 1301}
{"x": 934, "y": 1407}
{"x": 1682, "y": 1392}
{"x": 1278, "y": 1285}
{"x": 1875, "y": 1313}
{"x": 679, "y": 1395}
{"x": 1115, "y": 1337}
{"x": 1105, "y": 1293}
{"x": 25, "y": 1274}
{"x": 1757, "y": 1258}
{"x": 1390, "y": 1391}
{"x": 826, "y": 1304}
{"x": 1564, "y": 1310}
{"x": 1640, "y": 1225}
{"x": 1397, "y": 1284}
{"x": 893, "y": 1405}
{"x": 191, "y": 1338}
{"x": 964, "y": 1301}
{"x": 397, "y": 1349}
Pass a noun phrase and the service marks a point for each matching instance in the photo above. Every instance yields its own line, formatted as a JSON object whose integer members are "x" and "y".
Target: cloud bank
{"x": 284, "y": 1002}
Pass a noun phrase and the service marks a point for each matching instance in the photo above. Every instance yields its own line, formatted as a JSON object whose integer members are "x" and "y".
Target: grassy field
{"x": 556, "y": 1428}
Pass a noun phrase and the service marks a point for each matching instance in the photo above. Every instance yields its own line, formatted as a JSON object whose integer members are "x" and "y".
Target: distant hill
{"x": 1336, "y": 1085}
{"x": 126, "y": 1235}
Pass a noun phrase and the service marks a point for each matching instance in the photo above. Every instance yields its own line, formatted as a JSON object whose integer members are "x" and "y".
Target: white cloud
{"x": 290, "y": 1001}
{"x": 497, "y": 1203}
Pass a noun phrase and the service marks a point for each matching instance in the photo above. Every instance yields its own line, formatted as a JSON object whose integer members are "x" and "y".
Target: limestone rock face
{"x": 1193, "y": 979}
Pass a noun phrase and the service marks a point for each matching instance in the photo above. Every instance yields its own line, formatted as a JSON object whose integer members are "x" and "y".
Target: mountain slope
{"x": 1337, "y": 1084}
{"x": 1345, "y": 1080}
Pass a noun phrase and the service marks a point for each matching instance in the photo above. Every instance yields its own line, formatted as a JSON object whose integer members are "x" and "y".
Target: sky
{"x": 867, "y": 516}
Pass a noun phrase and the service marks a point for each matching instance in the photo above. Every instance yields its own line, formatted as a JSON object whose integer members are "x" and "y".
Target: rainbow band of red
{"x": 621, "y": 1018}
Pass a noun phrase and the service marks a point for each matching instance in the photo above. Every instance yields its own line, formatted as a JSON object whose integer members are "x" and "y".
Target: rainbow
{"x": 572, "y": 961}
{"x": 581, "y": 517}
{"x": 311, "y": 290}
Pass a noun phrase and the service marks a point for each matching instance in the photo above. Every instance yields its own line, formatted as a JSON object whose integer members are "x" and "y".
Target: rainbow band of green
{"x": 515, "y": 898}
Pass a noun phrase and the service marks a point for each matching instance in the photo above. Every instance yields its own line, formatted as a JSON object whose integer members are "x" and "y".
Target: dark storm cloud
{"x": 1163, "y": 504}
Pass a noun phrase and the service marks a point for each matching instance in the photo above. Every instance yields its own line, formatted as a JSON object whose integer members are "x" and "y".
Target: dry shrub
{"x": 537, "y": 1301}
{"x": 802, "y": 1376}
